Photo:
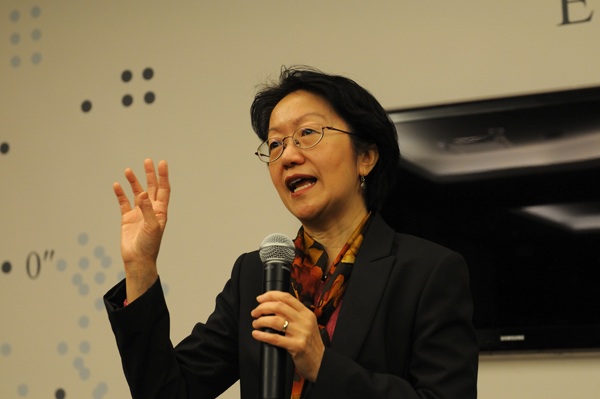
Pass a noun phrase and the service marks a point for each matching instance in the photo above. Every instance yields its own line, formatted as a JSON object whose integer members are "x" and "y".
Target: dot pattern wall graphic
{"x": 128, "y": 99}
{"x": 87, "y": 278}
{"x": 72, "y": 355}
{"x": 25, "y": 42}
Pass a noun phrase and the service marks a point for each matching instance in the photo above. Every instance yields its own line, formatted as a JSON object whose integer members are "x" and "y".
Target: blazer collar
{"x": 370, "y": 273}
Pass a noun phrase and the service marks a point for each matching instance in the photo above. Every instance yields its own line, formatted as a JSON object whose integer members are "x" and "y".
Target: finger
{"x": 164, "y": 186}
{"x": 271, "y": 322}
{"x": 268, "y": 327}
{"x": 136, "y": 187}
{"x": 145, "y": 205}
{"x": 124, "y": 203}
{"x": 272, "y": 339}
{"x": 151, "y": 179}
{"x": 270, "y": 308}
{"x": 280, "y": 296}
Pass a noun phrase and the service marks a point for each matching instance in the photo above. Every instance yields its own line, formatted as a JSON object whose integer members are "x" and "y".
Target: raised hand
{"x": 142, "y": 226}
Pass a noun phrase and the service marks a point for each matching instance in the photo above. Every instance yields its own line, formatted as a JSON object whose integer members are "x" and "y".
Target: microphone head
{"x": 277, "y": 247}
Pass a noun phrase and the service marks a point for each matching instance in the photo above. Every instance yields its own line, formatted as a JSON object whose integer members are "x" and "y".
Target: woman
{"x": 371, "y": 313}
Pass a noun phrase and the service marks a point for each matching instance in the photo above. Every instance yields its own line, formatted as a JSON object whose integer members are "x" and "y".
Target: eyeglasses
{"x": 304, "y": 138}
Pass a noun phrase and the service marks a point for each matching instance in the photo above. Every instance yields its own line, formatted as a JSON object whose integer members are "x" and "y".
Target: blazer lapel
{"x": 373, "y": 265}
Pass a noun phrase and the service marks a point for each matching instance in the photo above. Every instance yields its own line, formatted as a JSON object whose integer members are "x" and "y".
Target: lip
{"x": 290, "y": 181}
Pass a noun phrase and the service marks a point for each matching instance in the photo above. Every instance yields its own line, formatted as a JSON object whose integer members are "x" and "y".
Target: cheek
{"x": 340, "y": 168}
{"x": 275, "y": 174}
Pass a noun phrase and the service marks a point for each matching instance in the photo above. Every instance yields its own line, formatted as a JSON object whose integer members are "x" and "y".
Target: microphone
{"x": 277, "y": 253}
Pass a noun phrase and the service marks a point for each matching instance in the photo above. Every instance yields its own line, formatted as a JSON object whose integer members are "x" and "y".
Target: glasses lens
{"x": 270, "y": 150}
{"x": 307, "y": 136}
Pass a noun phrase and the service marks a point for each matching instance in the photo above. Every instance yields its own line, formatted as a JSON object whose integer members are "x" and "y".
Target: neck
{"x": 334, "y": 236}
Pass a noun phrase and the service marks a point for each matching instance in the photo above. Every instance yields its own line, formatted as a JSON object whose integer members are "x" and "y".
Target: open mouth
{"x": 300, "y": 183}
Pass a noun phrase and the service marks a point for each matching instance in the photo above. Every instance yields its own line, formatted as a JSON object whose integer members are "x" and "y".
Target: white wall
{"x": 59, "y": 163}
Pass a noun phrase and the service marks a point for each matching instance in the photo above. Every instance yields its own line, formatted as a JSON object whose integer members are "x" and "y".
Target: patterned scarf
{"x": 320, "y": 292}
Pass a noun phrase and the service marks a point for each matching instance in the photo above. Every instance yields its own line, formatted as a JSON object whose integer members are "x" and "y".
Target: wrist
{"x": 138, "y": 283}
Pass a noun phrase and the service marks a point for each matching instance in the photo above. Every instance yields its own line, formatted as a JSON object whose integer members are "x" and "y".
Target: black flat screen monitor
{"x": 513, "y": 184}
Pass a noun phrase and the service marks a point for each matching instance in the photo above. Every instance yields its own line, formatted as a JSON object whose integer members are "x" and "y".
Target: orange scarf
{"x": 320, "y": 292}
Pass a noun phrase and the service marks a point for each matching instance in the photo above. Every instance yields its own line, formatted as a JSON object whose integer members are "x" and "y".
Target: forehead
{"x": 298, "y": 108}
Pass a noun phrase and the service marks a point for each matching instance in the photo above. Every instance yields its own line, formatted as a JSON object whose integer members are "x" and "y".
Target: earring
{"x": 363, "y": 184}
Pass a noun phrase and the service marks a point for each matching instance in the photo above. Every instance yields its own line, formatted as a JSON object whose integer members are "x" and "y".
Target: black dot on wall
{"x": 149, "y": 97}
{"x": 4, "y": 148}
{"x": 60, "y": 394}
{"x": 86, "y": 106}
{"x": 127, "y": 100}
{"x": 148, "y": 73}
{"x": 6, "y": 267}
{"x": 15, "y": 15}
{"x": 36, "y": 11}
{"x": 126, "y": 76}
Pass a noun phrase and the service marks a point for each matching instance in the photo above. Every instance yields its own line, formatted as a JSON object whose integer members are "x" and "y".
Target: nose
{"x": 291, "y": 153}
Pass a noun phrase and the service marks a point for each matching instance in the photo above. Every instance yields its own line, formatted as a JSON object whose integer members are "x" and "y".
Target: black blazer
{"x": 404, "y": 331}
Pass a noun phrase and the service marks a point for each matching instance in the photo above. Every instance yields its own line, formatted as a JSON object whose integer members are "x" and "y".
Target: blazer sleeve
{"x": 203, "y": 365}
{"x": 441, "y": 358}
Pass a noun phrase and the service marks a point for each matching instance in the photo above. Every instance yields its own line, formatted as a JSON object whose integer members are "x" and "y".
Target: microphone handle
{"x": 272, "y": 358}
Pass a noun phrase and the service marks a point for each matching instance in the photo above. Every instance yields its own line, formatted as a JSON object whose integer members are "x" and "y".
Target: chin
{"x": 307, "y": 215}
{"x": 303, "y": 213}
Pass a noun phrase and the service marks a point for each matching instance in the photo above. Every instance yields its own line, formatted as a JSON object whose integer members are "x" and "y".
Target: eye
{"x": 308, "y": 131}
{"x": 274, "y": 144}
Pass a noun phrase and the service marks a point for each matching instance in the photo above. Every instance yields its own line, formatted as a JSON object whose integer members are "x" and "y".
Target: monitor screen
{"x": 513, "y": 184}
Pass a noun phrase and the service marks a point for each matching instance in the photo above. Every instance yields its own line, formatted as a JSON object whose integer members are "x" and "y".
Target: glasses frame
{"x": 284, "y": 145}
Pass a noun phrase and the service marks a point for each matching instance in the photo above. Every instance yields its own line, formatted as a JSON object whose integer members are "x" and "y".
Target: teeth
{"x": 293, "y": 185}
{"x": 295, "y": 188}
{"x": 308, "y": 184}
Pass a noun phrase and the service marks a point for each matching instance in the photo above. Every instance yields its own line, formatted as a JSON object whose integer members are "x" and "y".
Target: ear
{"x": 367, "y": 160}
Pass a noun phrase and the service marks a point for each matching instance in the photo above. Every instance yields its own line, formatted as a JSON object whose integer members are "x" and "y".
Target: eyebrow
{"x": 299, "y": 120}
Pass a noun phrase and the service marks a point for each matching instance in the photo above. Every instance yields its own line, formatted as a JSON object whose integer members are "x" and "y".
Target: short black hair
{"x": 366, "y": 118}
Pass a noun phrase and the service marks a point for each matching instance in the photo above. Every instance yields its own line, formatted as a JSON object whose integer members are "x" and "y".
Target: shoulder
{"x": 247, "y": 263}
{"x": 410, "y": 255}
{"x": 380, "y": 236}
{"x": 419, "y": 247}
